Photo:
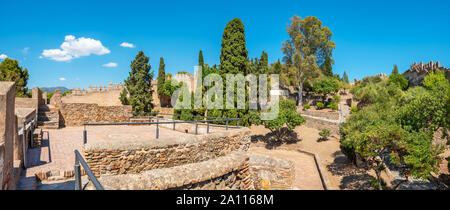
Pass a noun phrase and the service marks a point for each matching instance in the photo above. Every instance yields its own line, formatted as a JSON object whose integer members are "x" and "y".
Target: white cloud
{"x": 3, "y": 56}
{"x": 110, "y": 65}
{"x": 62, "y": 79}
{"x": 126, "y": 44}
{"x": 73, "y": 48}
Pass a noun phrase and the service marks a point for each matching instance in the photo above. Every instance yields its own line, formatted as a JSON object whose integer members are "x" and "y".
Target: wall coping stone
{"x": 162, "y": 142}
{"x": 178, "y": 176}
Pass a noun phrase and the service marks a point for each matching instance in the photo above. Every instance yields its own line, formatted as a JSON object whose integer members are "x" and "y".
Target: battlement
{"x": 96, "y": 89}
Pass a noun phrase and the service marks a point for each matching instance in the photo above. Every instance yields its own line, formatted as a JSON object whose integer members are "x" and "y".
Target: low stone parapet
{"x": 229, "y": 172}
{"x": 271, "y": 174}
{"x": 136, "y": 156}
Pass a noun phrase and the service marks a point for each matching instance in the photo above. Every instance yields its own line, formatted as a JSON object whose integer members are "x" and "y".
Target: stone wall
{"x": 7, "y": 132}
{"x": 76, "y": 114}
{"x": 229, "y": 172}
{"x": 271, "y": 174}
{"x": 322, "y": 124}
{"x": 132, "y": 157}
{"x": 332, "y": 115}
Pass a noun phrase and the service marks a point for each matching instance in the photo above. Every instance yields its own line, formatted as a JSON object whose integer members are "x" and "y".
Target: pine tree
{"x": 138, "y": 85}
{"x": 161, "y": 76}
{"x": 11, "y": 71}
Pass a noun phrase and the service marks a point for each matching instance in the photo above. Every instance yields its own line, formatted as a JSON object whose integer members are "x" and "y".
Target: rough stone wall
{"x": 131, "y": 157}
{"x": 108, "y": 98}
{"x": 76, "y": 114}
{"x": 321, "y": 124}
{"x": 328, "y": 115}
{"x": 7, "y": 119}
{"x": 271, "y": 174}
{"x": 230, "y": 172}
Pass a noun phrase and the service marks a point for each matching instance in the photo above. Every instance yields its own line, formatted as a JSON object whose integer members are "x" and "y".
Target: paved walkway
{"x": 56, "y": 156}
{"x": 306, "y": 173}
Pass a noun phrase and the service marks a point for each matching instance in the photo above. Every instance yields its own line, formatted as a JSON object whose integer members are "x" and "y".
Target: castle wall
{"x": 271, "y": 174}
{"x": 132, "y": 157}
{"x": 76, "y": 114}
{"x": 7, "y": 132}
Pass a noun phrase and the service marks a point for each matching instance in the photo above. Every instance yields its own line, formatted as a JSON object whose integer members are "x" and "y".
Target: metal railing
{"x": 173, "y": 122}
{"x": 79, "y": 159}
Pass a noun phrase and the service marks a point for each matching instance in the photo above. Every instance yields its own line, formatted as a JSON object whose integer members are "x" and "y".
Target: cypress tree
{"x": 234, "y": 60}
{"x": 233, "y": 57}
{"x": 395, "y": 70}
{"x": 326, "y": 67}
{"x": 200, "y": 59}
{"x": 138, "y": 84}
{"x": 11, "y": 71}
{"x": 345, "y": 77}
{"x": 161, "y": 76}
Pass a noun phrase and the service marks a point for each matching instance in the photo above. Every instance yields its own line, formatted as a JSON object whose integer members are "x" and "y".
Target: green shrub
{"x": 325, "y": 133}
{"x": 306, "y": 106}
{"x": 320, "y": 105}
{"x": 333, "y": 106}
{"x": 286, "y": 120}
{"x": 354, "y": 109}
{"x": 336, "y": 99}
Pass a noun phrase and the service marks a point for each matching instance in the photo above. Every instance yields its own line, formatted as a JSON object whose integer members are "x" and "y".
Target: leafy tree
{"x": 308, "y": 47}
{"x": 138, "y": 85}
{"x": 11, "y": 71}
{"x": 276, "y": 68}
{"x": 325, "y": 133}
{"x": 286, "y": 121}
{"x": 326, "y": 86}
{"x": 398, "y": 79}
{"x": 345, "y": 78}
{"x": 161, "y": 76}
{"x": 399, "y": 124}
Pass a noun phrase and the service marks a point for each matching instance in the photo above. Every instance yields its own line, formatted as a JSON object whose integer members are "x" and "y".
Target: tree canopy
{"x": 309, "y": 47}
{"x": 11, "y": 71}
{"x": 138, "y": 88}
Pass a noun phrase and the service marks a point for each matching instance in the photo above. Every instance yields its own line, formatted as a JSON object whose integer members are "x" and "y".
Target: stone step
{"x": 48, "y": 124}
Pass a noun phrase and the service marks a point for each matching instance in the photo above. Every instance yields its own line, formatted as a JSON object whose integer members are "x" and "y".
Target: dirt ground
{"x": 339, "y": 171}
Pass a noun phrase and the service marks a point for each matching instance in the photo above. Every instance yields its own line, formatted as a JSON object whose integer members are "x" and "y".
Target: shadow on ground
{"x": 353, "y": 178}
{"x": 272, "y": 141}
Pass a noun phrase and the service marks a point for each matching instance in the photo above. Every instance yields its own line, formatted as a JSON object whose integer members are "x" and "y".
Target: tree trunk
{"x": 378, "y": 179}
{"x": 300, "y": 93}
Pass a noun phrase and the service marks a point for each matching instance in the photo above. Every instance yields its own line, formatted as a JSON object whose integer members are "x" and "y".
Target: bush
{"x": 333, "y": 106}
{"x": 306, "y": 106}
{"x": 325, "y": 133}
{"x": 320, "y": 105}
{"x": 286, "y": 121}
{"x": 353, "y": 109}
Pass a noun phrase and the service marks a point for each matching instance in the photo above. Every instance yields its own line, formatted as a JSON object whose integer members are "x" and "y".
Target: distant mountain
{"x": 52, "y": 89}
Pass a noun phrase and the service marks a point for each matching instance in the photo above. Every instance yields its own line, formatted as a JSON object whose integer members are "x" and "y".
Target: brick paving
{"x": 55, "y": 158}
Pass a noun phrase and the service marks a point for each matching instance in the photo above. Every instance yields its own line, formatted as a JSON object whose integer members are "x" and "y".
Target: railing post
{"x": 24, "y": 146}
{"x": 237, "y": 123}
{"x": 207, "y": 126}
{"x": 174, "y": 124}
{"x": 31, "y": 134}
{"x": 196, "y": 125}
{"x": 77, "y": 174}
{"x": 157, "y": 127}
{"x": 84, "y": 135}
{"x": 227, "y": 124}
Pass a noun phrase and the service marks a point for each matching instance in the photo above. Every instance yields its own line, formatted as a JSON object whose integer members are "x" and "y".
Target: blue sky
{"x": 370, "y": 36}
